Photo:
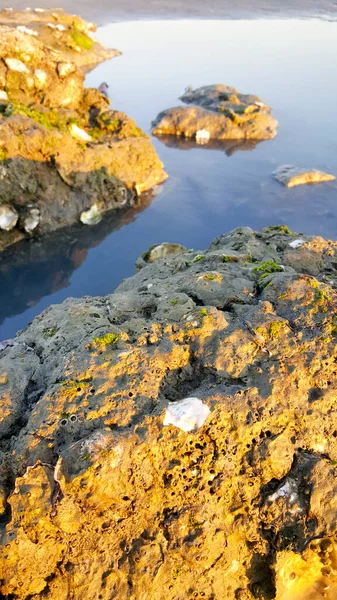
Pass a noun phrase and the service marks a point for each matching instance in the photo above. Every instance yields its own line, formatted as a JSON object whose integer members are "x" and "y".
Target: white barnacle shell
{"x": 296, "y": 243}
{"x": 289, "y": 492}
{"x": 79, "y": 133}
{"x": 14, "y": 64}
{"x": 32, "y": 221}
{"x": 202, "y": 136}
{"x": 91, "y": 216}
{"x": 8, "y": 217}
{"x": 26, "y": 30}
{"x": 186, "y": 414}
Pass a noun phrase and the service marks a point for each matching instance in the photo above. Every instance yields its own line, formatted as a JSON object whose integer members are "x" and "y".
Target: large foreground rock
{"x": 221, "y": 112}
{"x": 62, "y": 150}
{"x": 100, "y": 499}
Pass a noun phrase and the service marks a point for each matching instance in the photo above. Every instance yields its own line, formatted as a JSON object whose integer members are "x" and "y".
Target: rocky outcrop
{"x": 122, "y": 490}
{"x": 62, "y": 150}
{"x": 66, "y": 33}
{"x": 218, "y": 112}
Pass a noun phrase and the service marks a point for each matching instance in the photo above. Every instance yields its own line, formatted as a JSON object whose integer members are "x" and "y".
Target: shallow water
{"x": 289, "y": 63}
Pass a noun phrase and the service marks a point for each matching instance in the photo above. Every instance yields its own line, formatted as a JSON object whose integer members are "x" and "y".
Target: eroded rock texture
{"x": 62, "y": 148}
{"x": 101, "y": 500}
{"x": 218, "y": 112}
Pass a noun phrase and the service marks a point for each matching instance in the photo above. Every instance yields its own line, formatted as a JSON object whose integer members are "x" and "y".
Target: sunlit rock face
{"x": 62, "y": 149}
{"x": 217, "y": 112}
{"x": 292, "y": 176}
{"x": 178, "y": 437}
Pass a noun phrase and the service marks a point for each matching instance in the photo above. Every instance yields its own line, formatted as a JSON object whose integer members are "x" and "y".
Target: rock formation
{"x": 219, "y": 111}
{"x": 292, "y": 176}
{"x": 112, "y": 487}
{"x": 69, "y": 34}
{"x": 62, "y": 150}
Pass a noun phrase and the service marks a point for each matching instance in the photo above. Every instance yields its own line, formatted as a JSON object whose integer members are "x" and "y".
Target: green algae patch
{"x": 81, "y": 39}
{"x": 213, "y": 276}
{"x": 267, "y": 268}
{"x": 280, "y": 229}
{"x": 48, "y": 333}
{"x": 198, "y": 257}
{"x": 321, "y": 295}
{"x": 72, "y": 388}
{"x": 274, "y": 329}
{"x": 109, "y": 339}
{"x": 49, "y": 119}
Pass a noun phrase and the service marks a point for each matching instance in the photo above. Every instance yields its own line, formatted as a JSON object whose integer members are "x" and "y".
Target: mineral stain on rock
{"x": 116, "y": 504}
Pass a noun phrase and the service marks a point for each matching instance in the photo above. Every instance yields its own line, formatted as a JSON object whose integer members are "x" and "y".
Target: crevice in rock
{"x": 262, "y": 578}
{"x": 194, "y": 297}
{"x": 182, "y": 382}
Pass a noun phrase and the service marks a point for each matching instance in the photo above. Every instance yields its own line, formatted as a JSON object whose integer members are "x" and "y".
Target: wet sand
{"x": 107, "y": 11}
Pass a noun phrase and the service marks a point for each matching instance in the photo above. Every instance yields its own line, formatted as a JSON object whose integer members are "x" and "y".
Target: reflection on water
{"x": 44, "y": 267}
{"x": 289, "y": 64}
{"x": 229, "y": 147}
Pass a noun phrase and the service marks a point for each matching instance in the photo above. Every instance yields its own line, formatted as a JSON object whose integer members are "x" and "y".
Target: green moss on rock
{"x": 109, "y": 339}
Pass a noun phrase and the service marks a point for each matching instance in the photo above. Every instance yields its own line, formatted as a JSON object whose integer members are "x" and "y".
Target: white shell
{"x": 91, "y": 216}
{"x": 187, "y": 414}
{"x": 202, "y": 136}
{"x": 65, "y": 68}
{"x": 32, "y": 221}
{"x": 40, "y": 76}
{"x": 8, "y": 217}
{"x": 16, "y": 65}
{"x": 3, "y": 95}
{"x": 288, "y": 491}
{"x": 79, "y": 134}
{"x": 296, "y": 243}
{"x": 26, "y": 30}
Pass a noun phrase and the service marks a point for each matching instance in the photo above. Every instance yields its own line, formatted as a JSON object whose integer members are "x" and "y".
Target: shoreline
{"x": 132, "y": 10}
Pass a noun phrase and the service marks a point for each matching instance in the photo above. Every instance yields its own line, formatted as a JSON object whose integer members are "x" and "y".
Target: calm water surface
{"x": 291, "y": 64}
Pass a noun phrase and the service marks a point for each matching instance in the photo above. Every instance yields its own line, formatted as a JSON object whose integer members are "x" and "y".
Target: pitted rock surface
{"x": 118, "y": 505}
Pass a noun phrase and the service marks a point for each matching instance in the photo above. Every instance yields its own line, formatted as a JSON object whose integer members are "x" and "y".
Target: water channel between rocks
{"x": 289, "y": 63}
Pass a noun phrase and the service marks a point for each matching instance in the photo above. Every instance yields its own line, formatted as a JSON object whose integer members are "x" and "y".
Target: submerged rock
{"x": 241, "y": 506}
{"x": 218, "y": 112}
{"x": 292, "y": 176}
